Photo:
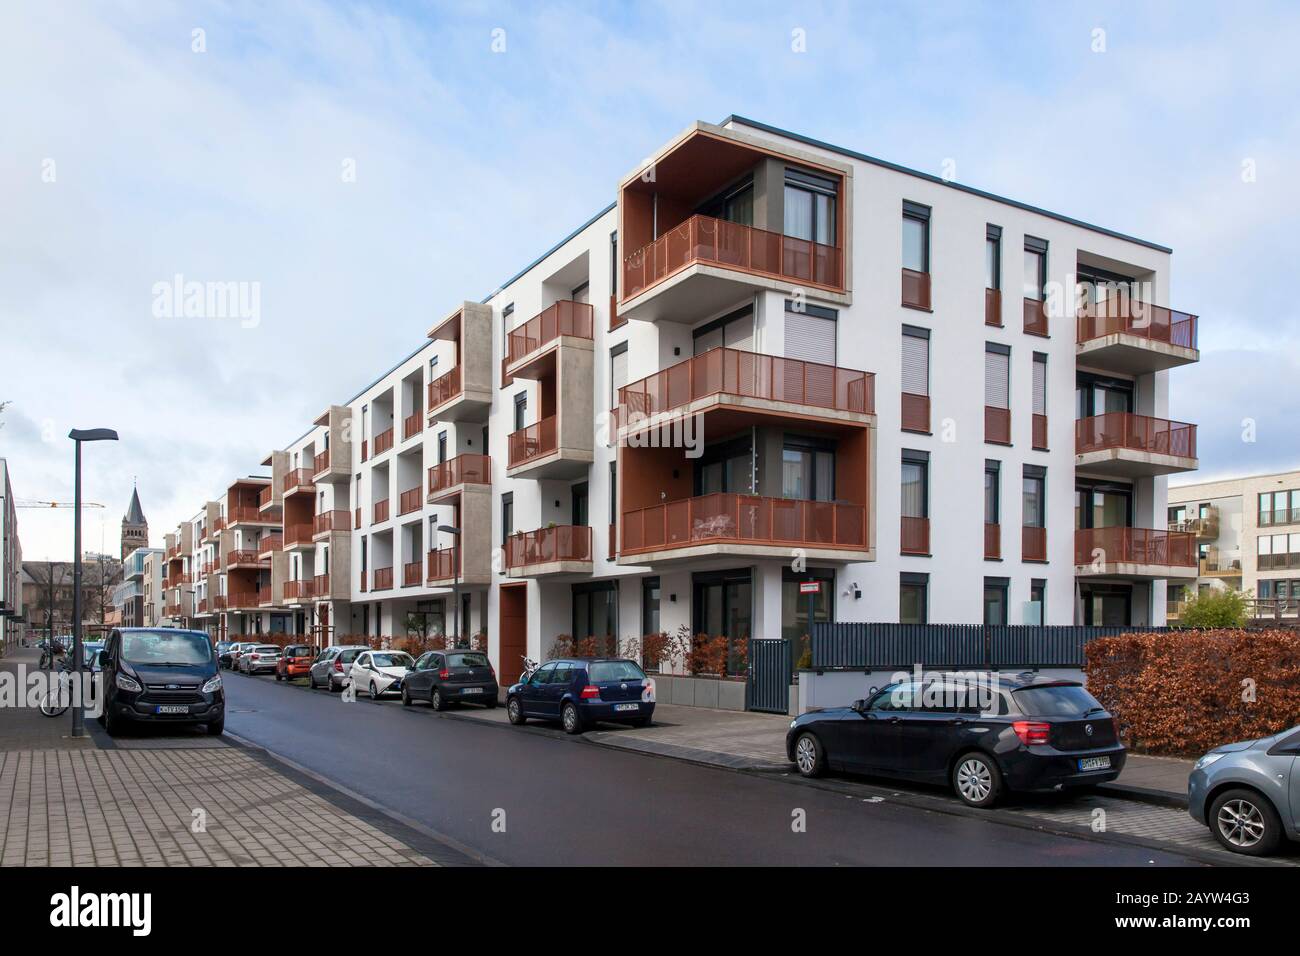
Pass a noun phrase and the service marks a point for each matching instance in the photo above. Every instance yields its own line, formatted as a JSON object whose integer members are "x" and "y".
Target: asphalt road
{"x": 566, "y": 801}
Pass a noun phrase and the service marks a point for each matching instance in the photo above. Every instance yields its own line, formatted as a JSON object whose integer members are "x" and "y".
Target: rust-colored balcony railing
{"x": 381, "y": 579}
{"x": 916, "y": 289}
{"x": 1039, "y": 427}
{"x": 411, "y": 574}
{"x": 1123, "y": 313}
{"x": 241, "y": 556}
{"x": 321, "y": 462}
{"x": 219, "y": 602}
{"x": 264, "y": 596}
{"x": 546, "y": 545}
{"x": 218, "y": 524}
{"x": 384, "y": 440}
{"x": 469, "y": 469}
{"x": 358, "y": 518}
{"x": 1036, "y": 316}
{"x": 534, "y": 441}
{"x": 380, "y": 512}
{"x": 616, "y": 321}
{"x": 724, "y": 371}
{"x": 203, "y": 606}
{"x": 914, "y": 535}
{"x": 298, "y": 479}
{"x": 265, "y": 497}
{"x": 1033, "y": 543}
{"x": 993, "y": 307}
{"x": 997, "y": 425}
{"x": 562, "y": 318}
{"x": 297, "y": 533}
{"x": 916, "y": 413}
{"x": 412, "y": 425}
{"x": 1136, "y": 432}
{"x": 992, "y": 540}
{"x": 365, "y": 449}
{"x": 409, "y": 501}
{"x": 444, "y": 388}
{"x": 744, "y": 519}
{"x": 270, "y": 543}
{"x": 297, "y": 590}
{"x": 320, "y": 586}
{"x": 441, "y": 564}
{"x": 248, "y": 514}
{"x": 733, "y": 246}
{"x": 173, "y": 610}
{"x": 1119, "y": 545}
{"x": 330, "y": 521}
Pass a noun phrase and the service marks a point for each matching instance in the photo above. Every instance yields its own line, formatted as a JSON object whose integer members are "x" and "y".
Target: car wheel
{"x": 217, "y": 727}
{"x": 569, "y": 717}
{"x": 1245, "y": 822}
{"x": 436, "y": 701}
{"x": 277, "y": 676}
{"x": 311, "y": 679}
{"x": 514, "y": 713}
{"x": 374, "y": 691}
{"x": 977, "y": 780}
{"x": 113, "y": 724}
{"x": 809, "y": 757}
{"x": 406, "y": 697}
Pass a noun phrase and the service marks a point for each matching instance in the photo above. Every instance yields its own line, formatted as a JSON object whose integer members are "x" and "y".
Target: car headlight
{"x": 213, "y": 684}
{"x": 1206, "y": 761}
{"x": 127, "y": 683}
{"x": 793, "y": 722}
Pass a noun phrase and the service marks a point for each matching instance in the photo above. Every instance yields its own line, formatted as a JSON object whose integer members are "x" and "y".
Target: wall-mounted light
{"x": 677, "y": 350}
{"x": 672, "y": 599}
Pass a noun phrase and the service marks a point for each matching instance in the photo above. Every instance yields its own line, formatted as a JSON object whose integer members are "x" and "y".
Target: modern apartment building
{"x": 768, "y": 361}
{"x": 141, "y": 578}
{"x": 1248, "y": 535}
{"x": 12, "y": 617}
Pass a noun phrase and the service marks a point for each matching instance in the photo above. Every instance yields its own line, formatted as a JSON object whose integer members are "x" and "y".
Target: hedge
{"x": 1183, "y": 693}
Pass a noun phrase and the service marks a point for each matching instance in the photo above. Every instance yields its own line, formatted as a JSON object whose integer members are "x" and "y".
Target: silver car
{"x": 1248, "y": 793}
{"x": 259, "y": 658}
{"x": 333, "y": 667}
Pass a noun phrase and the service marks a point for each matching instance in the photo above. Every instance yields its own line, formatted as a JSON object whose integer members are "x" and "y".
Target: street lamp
{"x": 455, "y": 577}
{"x": 78, "y": 435}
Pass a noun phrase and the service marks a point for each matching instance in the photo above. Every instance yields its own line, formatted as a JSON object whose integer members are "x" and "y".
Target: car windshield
{"x": 1068, "y": 700}
{"x": 349, "y": 655}
{"x": 91, "y": 651}
{"x": 603, "y": 671}
{"x": 165, "y": 647}
{"x": 298, "y": 650}
{"x": 467, "y": 660}
{"x": 392, "y": 660}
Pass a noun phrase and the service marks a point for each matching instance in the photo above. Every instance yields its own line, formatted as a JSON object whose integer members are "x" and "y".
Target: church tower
{"x": 135, "y": 529}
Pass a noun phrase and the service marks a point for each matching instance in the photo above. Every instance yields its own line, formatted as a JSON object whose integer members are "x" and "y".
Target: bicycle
{"x": 59, "y": 697}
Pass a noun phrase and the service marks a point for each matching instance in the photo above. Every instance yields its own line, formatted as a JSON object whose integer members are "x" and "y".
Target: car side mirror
{"x": 858, "y": 706}
{"x": 103, "y": 658}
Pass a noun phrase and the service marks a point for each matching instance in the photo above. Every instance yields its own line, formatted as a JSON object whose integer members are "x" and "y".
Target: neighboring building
{"x": 1248, "y": 535}
{"x": 47, "y": 591}
{"x": 874, "y": 410}
{"x": 135, "y": 529}
{"x": 12, "y": 616}
{"x": 154, "y": 596}
{"x": 131, "y": 596}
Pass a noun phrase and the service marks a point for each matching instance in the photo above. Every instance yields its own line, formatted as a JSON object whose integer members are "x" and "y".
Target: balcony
{"x": 1134, "y": 337}
{"x": 997, "y": 425}
{"x": 381, "y": 579}
{"x": 297, "y": 591}
{"x": 320, "y": 587}
{"x": 1134, "y": 553}
{"x": 250, "y": 516}
{"x": 1278, "y": 562}
{"x": 219, "y": 602}
{"x": 265, "y": 596}
{"x": 266, "y": 499}
{"x": 914, "y": 535}
{"x": 412, "y": 425}
{"x": 916, "y": 413}
{"x": 334, "y": 461}
{"x": 449, "y": 478}
{"x": 992, "y": 541}
{"x": 298, "y": 480}
{"x": 242, "y": 558}
{"x": 173, "y": 610}
{"x": 530, "y": 347}
{"x": 299, "y": 536}
{"x": 743, "y": 525}
{"x": 1134, "y": 446}
{"x": 559, "y": 549}
{"x": 1216, "y": 564}
{"x": 323, "y": 524}
{"x": 916, "y": 290}
{"x": 411, "y": 574}
{"x": 382, "y": 442}
{"x": 269, "y": 544}
{"x": 380, "y": 512}
{"x": 993, "y": 307}
{"x": 1271, "y": 519}
{"x": 409, "y": 501}
{"x": 1033, "y": 544}
{"x": 464, "y": 394}
{"x": 533, "y": 442}
{"x": 1036, "y": 317}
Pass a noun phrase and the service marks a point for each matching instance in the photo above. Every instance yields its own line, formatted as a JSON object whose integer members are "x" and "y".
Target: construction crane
{"x": 34, "y": 503}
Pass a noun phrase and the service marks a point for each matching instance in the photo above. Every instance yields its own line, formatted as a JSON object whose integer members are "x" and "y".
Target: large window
{"x": 807, "y": 470}
{"x": 734, "y": 205}
{"x": 809, "y": 207}
{"x": 992, "y": 492}
{"x": 595, "y": 613}
{"x": 916, "y": 484}
{"x": 1098, "y": 395}
{"x": 723, "y": 606}
{"x": 521, "y": 410}
{"x": 1102, "y": 504}
{"x": 507, "y": 516}
{"x": 1035, "y": 268}
{"x": 913, "y": 598}
{"x": 650, "y": 605}
{"x": 995, "y": 601}
{"x": 993, "y": 257}
{"x": 1034, "y": 497}
{"x": 726, "y": 467}
{"x": 617, "y": 372}
{"x": 916, "y": 237}
{"x": 734, "y": 331}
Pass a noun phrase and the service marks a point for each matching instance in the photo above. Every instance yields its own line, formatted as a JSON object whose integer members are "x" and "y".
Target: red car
{"x": 295, "y": 661}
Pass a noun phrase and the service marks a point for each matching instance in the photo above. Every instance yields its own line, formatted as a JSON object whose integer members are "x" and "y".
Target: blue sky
{"x": 225, "y": 165}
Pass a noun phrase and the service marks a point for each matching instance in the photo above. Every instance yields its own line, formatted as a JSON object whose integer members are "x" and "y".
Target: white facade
{"x": 11, "y": 563}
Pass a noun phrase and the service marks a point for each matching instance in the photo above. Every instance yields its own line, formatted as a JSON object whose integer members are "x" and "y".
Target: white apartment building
{"x": 851, "y": 391}
{"x": 11, "y": 563}
{"x": 1248, "y": 535}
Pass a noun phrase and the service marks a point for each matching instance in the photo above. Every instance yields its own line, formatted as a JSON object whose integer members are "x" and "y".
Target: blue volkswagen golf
{"x": 580, "y": 691}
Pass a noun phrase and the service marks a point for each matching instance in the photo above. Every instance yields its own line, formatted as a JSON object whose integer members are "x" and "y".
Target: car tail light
{"x": 589, "y": 692}
{"x": 1032, "y": 732}
{"x": 444, "y": 674}
{"x": 253, "y": 657}
{"x": 338, "y": 664}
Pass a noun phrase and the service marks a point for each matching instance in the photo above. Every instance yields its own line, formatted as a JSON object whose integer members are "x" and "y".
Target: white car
{"x": 259, "y": 658}
{"x": 380, "y": 672}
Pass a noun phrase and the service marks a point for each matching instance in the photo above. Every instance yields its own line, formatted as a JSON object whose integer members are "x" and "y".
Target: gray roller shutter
{"x": 809, "y": 337}
{"x": 996, "y": 368}
{"x": 1040, "y": 385}
{"x": 916, "y": 364}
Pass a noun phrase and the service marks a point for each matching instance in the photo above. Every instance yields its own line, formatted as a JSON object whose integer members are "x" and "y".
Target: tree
{"x": 1217, "y": 607}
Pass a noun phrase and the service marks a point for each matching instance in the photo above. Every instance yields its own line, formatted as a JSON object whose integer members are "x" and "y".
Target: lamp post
{"x": 455, "y": 576}
{"x": 78, "y": 435}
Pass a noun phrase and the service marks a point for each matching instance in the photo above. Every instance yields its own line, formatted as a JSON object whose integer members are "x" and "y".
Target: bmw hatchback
{"x": 582, "y": 691}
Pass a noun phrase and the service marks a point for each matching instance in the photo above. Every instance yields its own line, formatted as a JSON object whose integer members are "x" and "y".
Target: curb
{"x": 1159, "y": 798}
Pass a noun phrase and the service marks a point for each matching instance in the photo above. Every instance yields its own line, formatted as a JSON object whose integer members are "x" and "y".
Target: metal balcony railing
{"x": 744, "y": 519}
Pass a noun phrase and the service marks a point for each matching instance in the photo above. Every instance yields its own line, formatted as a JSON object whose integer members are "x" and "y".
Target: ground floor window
{"x": 723, "y": 606}
{"x": 595, "y": 614}
{"x": 995, "y": 601}
{"x": 913, "y": 598}
{"x": 1107, "y": 605}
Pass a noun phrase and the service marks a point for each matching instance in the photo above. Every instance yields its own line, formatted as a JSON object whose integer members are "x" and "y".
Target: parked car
{"x": 983, "y": 739}
{"x": 1248, "y": 793}
{"x": 579, "y": 691}
{"x": 259, "y": 658}
{"x": 333, "y": 667}
{"x": 380, "y": 672}
{"x": 223, "y": 650}
{"x": 237, "y": 651}
{"x": 164, "y": 675}
{"x": 295, "y": 661}
{"x": 443, "y": 677}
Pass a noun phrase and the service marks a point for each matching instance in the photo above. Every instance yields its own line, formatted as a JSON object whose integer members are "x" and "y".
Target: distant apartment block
{"x": 12, "y": 610}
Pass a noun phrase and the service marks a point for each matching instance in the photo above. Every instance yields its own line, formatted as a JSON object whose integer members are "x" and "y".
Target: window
{"x": 995, "y": 601}
{"x": 916, "y": 484}
{"x": 1040, "y": 384}
{"x": 1099, "y": 504}
{"x": 993, "y": 257}
{"x": 442, "y": 447}
{"x": 1098, "y": 395}
{"x": 809, "y": 211}
{"x": 649, "y": 606}
{"x": 916, "y": 360}
{"x": 578, "y": 497}
{"x": 733, "y": 205}
{"x": 913, "y": 598}
{"x": 810, "y": 333}
{"x": 507, "y": 516}
{"x": 1037, "y": 601}
{"x": 734, "y": 331}
{"x": 1033, "y": 497}
{"x": 521, "y": 410}
{"x": 997, "y": 375}
{"x": 1035, "y": 268}
{"x": 613, "y": 263}
{"x": 992, "y": 492}
{"x": 916, "y": 237}
{"x": 725, "y": 467}
{"x": 433, "y": 368}
{"x": 595, "y": 612}
{"x": 617, "y": 372}
{"x": 807, "y": 470}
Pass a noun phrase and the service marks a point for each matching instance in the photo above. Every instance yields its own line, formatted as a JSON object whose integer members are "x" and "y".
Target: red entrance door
{"x": 513, "y": 628}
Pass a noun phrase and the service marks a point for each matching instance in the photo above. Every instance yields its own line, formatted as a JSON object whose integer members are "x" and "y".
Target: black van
{"x": 161, "y": 675}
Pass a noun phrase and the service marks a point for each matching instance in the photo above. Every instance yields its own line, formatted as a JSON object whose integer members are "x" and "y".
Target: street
{"x": 565, "y": 800}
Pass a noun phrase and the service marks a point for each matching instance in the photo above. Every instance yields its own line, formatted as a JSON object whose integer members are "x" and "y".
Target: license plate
{"x": 172, "y": 709}
{"x": 627, "y": 706}
{"x": 1094, "y": 763}
{"x": 471, "y": 690}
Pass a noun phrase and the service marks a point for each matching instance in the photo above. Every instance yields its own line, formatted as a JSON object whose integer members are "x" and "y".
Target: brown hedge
{"x": 1183, "y": 693}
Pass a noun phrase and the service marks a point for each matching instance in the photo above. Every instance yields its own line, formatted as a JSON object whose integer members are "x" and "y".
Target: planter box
{"x": 713, "y": 692}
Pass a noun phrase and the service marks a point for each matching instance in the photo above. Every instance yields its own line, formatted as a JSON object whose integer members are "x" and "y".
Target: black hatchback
{"x": 161, "y": 675}
{"x": 445, "y": 677}
{"x": 981, "y": 734}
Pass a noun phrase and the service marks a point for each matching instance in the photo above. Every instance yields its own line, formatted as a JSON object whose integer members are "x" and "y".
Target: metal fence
{"x": 853, "y": 645}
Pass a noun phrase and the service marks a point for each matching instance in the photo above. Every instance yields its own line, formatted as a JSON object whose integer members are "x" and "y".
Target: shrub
{"x": 1215, "y": 607}
{"x": 1185, "y": 692}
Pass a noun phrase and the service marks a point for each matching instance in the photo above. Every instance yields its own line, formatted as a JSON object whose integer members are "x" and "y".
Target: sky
{"x": 364, "y": 167}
